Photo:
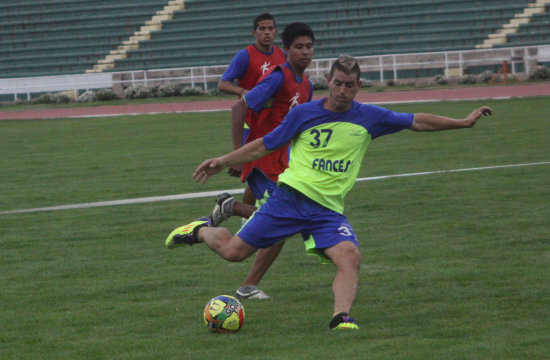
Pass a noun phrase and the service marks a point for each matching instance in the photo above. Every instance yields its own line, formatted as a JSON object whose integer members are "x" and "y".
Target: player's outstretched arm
{"x": 431, "y": 122}
{"x": 207, "y": 169}
{"x": 251, "y": 151}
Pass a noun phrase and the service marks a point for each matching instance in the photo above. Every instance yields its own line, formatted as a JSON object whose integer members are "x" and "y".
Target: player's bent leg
{"x": 347, "y": 259}
{"x": 231, "y": 248}
{"x": 262, "y": 262}
{"x": 244, "y": 210}
{"x": 227, "y": 206}
{"x": 186, "y": 235}
{"x": 248, "y": 196}
{"x": 223, "y": 209}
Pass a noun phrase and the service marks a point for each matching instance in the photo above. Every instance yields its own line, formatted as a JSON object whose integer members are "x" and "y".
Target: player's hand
{"x": 207, "y": 169}
{"x": 235, "y": 170}
{"x": 476, "y": 114}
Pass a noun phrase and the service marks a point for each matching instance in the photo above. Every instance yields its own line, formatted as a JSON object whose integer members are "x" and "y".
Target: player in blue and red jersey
{"x": 329, "y": 139}
{"x": 252, "y": 62}
{"x": 247, "y": 67}
{"x": 264, "y": 108}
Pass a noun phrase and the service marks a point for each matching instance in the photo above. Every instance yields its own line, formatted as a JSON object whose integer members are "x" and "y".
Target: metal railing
{"x": 377, "y": 68}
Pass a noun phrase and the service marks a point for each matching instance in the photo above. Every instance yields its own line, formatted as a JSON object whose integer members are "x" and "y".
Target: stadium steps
{"x": 501, "y": 36}
{"x": 535, "y": 32}
{"x": 144, "y": 33}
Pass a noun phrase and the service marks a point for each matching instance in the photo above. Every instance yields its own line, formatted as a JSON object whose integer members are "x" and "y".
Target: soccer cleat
{"x": 186, "y": 235}
{"x": 251, "y": 292}
{"x": 347, "y": 324}
{"x": 223, "y": 209}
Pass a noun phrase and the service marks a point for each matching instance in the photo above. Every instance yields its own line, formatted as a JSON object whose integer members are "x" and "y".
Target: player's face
{"x": 342, "y": 89}
{"x": 300, "y": 53}
{"x": 265, "y": 34}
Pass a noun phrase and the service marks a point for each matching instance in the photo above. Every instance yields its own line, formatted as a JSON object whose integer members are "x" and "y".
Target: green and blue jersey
{"x": 328, "y": 147}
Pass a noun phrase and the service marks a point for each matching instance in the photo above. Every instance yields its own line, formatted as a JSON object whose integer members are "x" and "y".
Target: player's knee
{"x": 233, "y": 255}
{"x": 350, "y": 257}
{"x": 237, "y": 250}
{"x": 345, "y": 256}
{"x": 354, "y": 256}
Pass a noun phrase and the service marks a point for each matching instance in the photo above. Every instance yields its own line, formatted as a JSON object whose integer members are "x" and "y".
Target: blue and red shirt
{"x": 250, "y": 64}
{"x": 276, "y": 94}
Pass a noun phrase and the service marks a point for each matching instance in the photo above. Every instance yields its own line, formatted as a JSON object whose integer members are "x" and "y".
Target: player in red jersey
{"x": 252, "y": 62}
{"x": 278, "y": 91}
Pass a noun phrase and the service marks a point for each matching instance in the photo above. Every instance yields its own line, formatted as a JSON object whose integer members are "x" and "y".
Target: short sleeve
{"x": 263, "y": 91}
{"x": 238, "y": 66}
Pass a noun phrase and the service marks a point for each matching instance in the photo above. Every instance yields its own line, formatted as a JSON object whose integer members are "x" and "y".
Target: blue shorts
{"x": 260, "y": 184}
{"x": 288, "y": 212}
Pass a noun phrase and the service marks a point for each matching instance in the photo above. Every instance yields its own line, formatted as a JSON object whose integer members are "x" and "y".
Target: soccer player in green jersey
{"x": 329, "y": 138}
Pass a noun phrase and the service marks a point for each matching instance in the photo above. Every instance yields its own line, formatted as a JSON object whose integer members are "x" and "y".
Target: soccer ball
{"x": 224, "y": 314}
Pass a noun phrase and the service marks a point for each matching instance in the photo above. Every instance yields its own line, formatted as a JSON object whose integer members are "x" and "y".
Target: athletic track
{"x": 463, "y": 93}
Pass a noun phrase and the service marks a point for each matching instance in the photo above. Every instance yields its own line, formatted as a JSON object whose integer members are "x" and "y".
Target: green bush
{"x": 192, "y": 91}
{"x": 105, "y": 95}
{"x": 62, "y": 99}
{"x": 366, "y": 83}
{"x": 44, "y": 99}
{"x": 441, "y": 80}
{"x": 540, "y": 73}
{"x": 214, "y": 92}
{"x": 87, "y": 96}
{"x": 169, "y": 90}
{"x": 467, "y": 79}
{"x": 485, "y": 76}
{"x": 319, "y": 82}
{"x": 137, "y": 92}
{"x": 153, "y": 90}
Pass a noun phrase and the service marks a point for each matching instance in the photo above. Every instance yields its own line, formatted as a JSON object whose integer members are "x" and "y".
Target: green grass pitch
{"x": 455, "y": 265}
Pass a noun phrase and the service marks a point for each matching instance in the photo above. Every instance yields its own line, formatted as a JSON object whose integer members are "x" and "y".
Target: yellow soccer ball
{"x": 224, "y": 314}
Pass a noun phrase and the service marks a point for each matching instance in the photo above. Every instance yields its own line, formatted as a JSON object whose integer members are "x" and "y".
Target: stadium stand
{"x": 39, "y": 37}
{"x": 355, "y": 27}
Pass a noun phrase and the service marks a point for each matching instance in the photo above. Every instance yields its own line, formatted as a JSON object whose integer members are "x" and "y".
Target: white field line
{"x": 240, "y": 191}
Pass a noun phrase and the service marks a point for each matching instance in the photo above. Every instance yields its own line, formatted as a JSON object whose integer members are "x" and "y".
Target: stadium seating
{"x": 40, "y": 37}
{"x": 355, "y": 27}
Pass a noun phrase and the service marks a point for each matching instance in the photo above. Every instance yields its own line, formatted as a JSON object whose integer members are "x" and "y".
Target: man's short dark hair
{"x": 261, "y": 17}
{"x": 346, "y": 64}
{"x": 294, "y": 31}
